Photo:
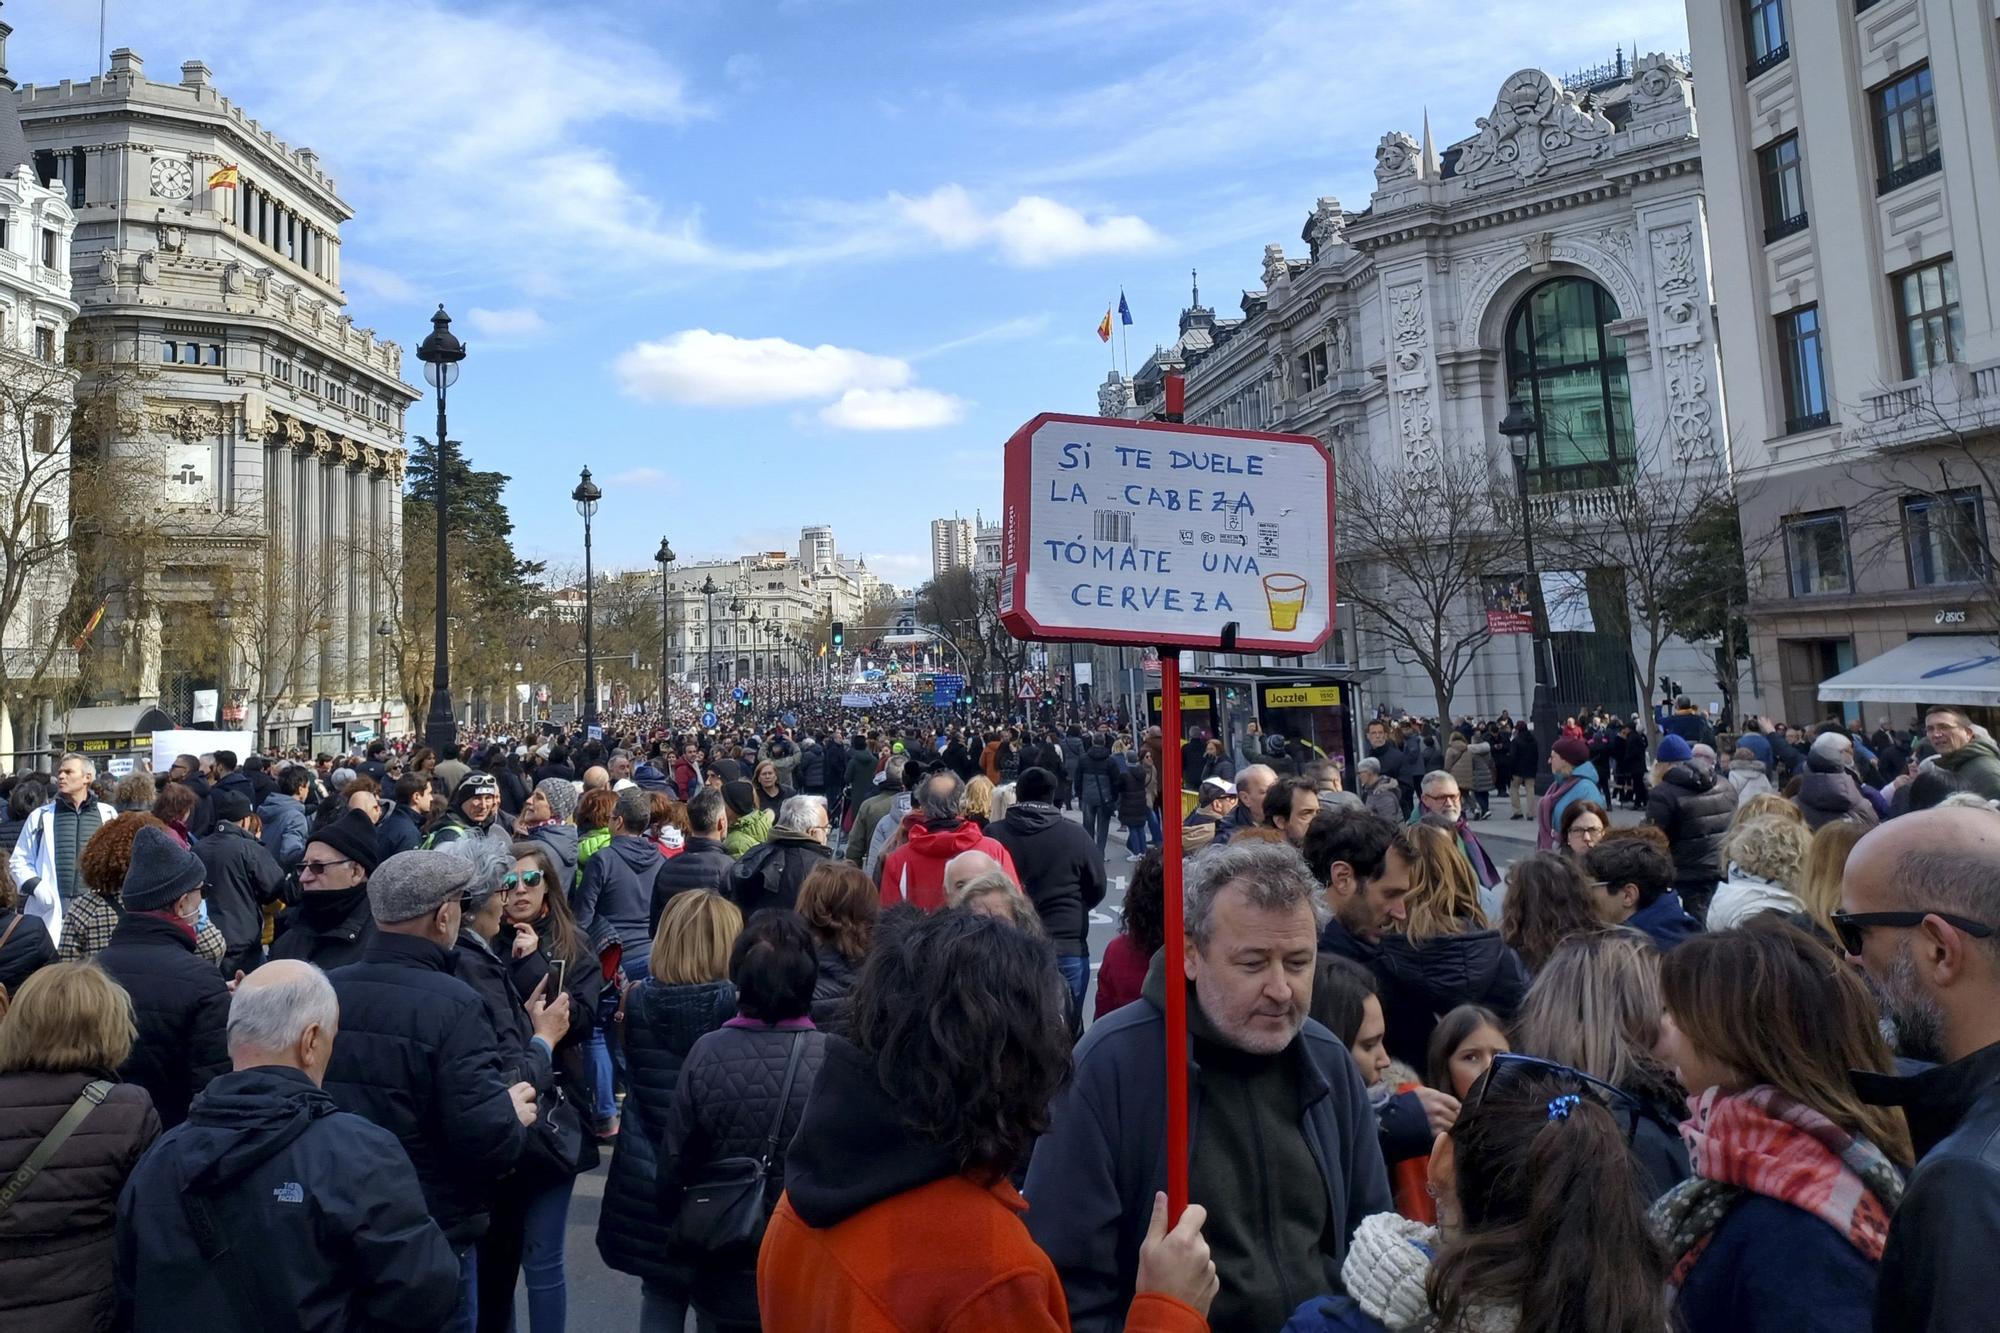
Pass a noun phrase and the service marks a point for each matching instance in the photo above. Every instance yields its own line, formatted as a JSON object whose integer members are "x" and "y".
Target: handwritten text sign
{"x": 1138, "y": 532}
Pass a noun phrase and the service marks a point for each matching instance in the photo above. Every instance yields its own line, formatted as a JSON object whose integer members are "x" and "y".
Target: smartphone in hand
{"x": 558, "y": 976}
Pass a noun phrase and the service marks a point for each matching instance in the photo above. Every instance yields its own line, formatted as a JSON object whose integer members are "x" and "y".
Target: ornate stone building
{"x": 1558, "y": 255}
{"x": 274, "y": 423}
{"x": 36, "y": 308}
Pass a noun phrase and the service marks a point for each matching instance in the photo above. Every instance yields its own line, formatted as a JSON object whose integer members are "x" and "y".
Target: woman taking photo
{"x": 1782, "y": 1225}
{"x": 1541, "y": 1224}
{"x": 1596, "y": 1007}
{"x": 958, "y": 1044}
{"x": 67, "y": 1029}
{"x": 686, "y": 994}
{"x": 738, "y": 1082}
{"x": 1446, "y": 954}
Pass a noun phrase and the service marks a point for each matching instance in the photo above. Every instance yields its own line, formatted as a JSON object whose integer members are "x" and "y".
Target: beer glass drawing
{"x": 1285, "y": 597}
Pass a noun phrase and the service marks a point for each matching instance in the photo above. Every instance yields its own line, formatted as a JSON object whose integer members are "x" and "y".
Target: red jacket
{"x": 914, "y": 872}
{"x": 1121, "y": 974}
{"x": 948, "y": 1257}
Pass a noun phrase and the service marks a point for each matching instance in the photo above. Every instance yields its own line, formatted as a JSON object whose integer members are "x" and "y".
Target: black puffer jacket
{"x": 724, "y": 1106}
{"x": 771, "y": 873}
{"x": 26, "y": 950}
{"x": 1421, "y": 983}
{"x": 1826, "y": 797}
{"x": 702, "y": 864}
{"x": 242, "y": 877}
{"x": 1096, "y": 776}
{"x": 416, "y": 1055}
{"x": 181, "y": 1008}
{"x": 1061, "y": 870}
{"x": 837, "y": 975}
{"x": 320, "y": 1206}
{"x": 57, "y": 1243}
{"x": 662, "y": 1024}
{"x": 1693, "y": 807}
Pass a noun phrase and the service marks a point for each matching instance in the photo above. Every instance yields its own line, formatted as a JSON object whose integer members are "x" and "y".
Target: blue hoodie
{"x": 1665, "y": 921}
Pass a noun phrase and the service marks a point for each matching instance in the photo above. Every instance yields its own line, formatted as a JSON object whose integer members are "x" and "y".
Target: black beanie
{"x": 1035, "y": 784}
{"x": 353, "y": 836}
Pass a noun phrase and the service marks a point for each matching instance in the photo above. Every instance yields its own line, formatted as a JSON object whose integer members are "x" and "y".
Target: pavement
{"x": 600, "y": 1298}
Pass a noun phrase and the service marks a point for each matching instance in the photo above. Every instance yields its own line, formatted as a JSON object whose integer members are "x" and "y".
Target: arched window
{"x": 1564, "y": 366}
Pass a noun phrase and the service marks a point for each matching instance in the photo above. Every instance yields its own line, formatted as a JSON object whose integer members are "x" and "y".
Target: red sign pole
{"x": 1177, "y": 1031}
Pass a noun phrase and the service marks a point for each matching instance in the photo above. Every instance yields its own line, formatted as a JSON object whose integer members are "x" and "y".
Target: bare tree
{"x": 1645, "y": 532}
{"x": 1425, "y": 539}
{"x": 283, "y": 611}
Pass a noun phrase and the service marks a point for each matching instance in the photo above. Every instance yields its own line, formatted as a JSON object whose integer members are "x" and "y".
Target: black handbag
{"x": 724, "y": 1210}
{"x": 555, "y": 1140}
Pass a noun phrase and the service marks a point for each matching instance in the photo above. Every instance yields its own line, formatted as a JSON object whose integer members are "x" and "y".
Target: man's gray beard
{"x": 1237, "y": 1038}
{"x": 1916, "y": 1019}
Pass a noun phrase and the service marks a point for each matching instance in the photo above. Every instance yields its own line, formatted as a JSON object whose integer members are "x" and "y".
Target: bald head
{"x": 595, "y": 778}
{"x": 284, "y": 1014}
{"x": 966, "y": 867}
{"x": 1251, "y": 784}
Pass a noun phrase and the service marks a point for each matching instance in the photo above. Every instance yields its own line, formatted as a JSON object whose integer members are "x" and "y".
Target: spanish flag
{"x": 224, "y": 178}
{"x": 1104, "y": 326}
{"x": 89, "y": 628}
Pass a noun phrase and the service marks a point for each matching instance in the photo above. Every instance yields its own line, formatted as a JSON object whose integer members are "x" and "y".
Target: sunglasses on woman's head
{"x": 1624, "y": 1107}
{"x": 525, "y": 879}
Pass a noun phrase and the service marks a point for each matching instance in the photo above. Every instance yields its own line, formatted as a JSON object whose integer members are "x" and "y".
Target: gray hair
{"x": 273, "y": 1016}
{"x": 340, "y": 777}
{"x": 1272, "y": 875}
{"x": 635, "y": 807}
{"x": 801, "y": 814}
{"x": 895, "y": 770}
{"x": 1002, "y": 801}
{"x": 1434, "y": 780}
{"x": 1256, "y": 773}
{"x": 489, "y": 862}
{"x": 986, "y": 881}
{"x": 705, "y": 810}
{"x": 1370, "y": 764}
{"x": 943, "y": 797}
{"x": 1957, "y": 880}
{"x": 89, "y": 764}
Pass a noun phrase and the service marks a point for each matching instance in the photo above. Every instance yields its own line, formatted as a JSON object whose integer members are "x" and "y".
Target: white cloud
{"x": 707, "y": 369}
{"x": 893, "y": 409}
{"x": 1032, "y": 232}
{"x": 519, "y": 322}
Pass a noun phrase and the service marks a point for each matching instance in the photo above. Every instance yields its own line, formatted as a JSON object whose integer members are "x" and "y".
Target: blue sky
{"x": 764, "y": 263}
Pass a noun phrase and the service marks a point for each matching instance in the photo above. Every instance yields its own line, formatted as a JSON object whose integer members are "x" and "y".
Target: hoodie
{"x": 615, "y": 894}
{"x": 858, "y": 1184}
{"x": 284, "y": 834}
{"x": 561, "y": 840}
{"x": 1061, "y": 871}
{"x": 319, "y": 1217}
{"x": 914, "y": 872}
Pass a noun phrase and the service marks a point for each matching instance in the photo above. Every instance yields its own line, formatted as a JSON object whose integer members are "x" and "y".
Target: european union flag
{"x": 1124, "y": 311}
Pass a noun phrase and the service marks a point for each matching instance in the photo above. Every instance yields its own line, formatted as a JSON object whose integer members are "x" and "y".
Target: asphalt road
{"x": 606, "y": 1301}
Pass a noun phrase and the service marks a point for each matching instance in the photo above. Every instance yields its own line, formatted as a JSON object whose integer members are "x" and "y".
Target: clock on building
{"x": 172, "y": 178}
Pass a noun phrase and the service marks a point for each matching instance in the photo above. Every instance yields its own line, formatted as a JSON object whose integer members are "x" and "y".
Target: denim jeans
{"x": 1097, "y": 822}
{"x": 662, "y": 1311}
{"x": 464, "y": 1317}
{"x": 1076, "y": 971}
{"x": 607, "y": 1051}
{"x": 542, "y": 1257}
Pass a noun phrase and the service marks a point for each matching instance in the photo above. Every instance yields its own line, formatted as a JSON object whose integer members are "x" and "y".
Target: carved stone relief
{"x": 1275, "y": 268}
{"x": 1395, "y": 158}
{"x": 1409, "y": 335}
{"x": 187, "y": 422}
{"x": 1328, "y": 227}
{"x": 1690, "y": 418}
{"x": 1535, "y": 123}
{"x": 1676, "y": 284}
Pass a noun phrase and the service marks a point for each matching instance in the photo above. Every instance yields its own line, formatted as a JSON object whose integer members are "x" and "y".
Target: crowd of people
{"x": 327, "y": 1042}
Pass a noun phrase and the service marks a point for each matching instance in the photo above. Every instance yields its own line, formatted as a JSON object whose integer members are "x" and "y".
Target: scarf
{"x": 1762, "y": 1142}
{"x": 1387, "y": 1268}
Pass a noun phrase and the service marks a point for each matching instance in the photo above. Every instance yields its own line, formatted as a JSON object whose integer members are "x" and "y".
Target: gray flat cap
{"x": 415, "y": 883}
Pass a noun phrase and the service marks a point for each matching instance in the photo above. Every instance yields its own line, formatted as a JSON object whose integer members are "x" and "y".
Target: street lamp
{"x": 665, "y": 557}
{"x": 735, "y": 632}
{"x": 753, "y": 646}
{"x": 586, "y": 496}
{"x": 441, "y": 352}
{"x": 708, "y": 591}
{"x": 382, "y": 631}
{"x": 1520, "y": 427}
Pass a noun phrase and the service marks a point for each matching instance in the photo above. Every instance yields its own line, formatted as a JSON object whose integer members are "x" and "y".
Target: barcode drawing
{"x": 1112, "y": 525}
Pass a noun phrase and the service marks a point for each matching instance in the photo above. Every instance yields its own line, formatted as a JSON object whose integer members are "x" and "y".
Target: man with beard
{"x": 1284, "y": 1156}
{"x": 1921, "y": 915}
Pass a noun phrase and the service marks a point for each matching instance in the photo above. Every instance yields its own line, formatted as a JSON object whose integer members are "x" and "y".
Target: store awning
{"x": 1929, "y": 669}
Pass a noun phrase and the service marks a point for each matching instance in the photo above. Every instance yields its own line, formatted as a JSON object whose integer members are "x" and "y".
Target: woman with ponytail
{"x": 1541, "y": 1222}
{"x": 1782, "y": 1225}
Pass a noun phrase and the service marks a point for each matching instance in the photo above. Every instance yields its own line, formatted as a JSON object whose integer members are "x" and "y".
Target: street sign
{"x": 1144, "y": 532}
{"x": 562, "y": 714}
{"x": 708, "y": 717}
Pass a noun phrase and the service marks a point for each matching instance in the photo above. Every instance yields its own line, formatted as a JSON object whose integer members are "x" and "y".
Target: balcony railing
{"x": 1784, "y": 227}
{"x": 1810, "y": 421}
{"x": 1769, "y": 61}
{"x": 1601, "y": 504}
{"x": 1929, "y": 164}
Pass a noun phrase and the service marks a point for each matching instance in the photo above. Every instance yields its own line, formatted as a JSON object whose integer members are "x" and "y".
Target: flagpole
{"x": 1109, "y": 311}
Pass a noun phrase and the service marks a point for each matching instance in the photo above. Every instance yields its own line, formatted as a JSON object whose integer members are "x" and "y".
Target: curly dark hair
{"x": 963, "y": 1018}
{"x": 1146, "y": 902}
{"x": 108, "y": 855}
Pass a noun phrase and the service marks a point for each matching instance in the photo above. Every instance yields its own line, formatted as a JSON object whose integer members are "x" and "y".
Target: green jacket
{"x": 747, "y": 832}
{"x": 588, "y": 846}
{"x": 1976, "y": 765}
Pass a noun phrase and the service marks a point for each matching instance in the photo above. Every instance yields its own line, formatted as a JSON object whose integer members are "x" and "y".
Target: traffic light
{"x": 839, "y": 635}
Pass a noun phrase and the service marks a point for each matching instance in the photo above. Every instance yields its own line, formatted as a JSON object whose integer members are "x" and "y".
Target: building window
{"x": 1784, "y": 188}
{"x": 1312, "y": 368}
{"x": 191, "y": 354}
{"x": 1816, "y": 550}
{"x": 1571, "y": 372}
{"x": 211, "y": 355}
{"x": 1906, "y": 130}
{"x": 1805, "y": 380}
{"x": 48, "y": 247}
{"x": 1946, "y": 535}
{"x": 45, "y": 342}
{"x": 40, "y": 525}
{"x": 1765, "y": 21}
{"x": 1927, "y": 305}
{"x": 169, "y": 353}
{"x": 45, "y": 433}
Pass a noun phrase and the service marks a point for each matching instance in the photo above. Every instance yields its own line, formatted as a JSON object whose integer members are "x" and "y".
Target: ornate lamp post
{"x": 1520, "y": 427}
{"x": 708, "y": 591}
{"x": 753, "y": 646}
{"x": 441, "y": 352}
{"x": 665, "y": 558}
{"x": 586, "y": 496}
{"x": 735, "y": 632}
{"x": 382, "y": 632}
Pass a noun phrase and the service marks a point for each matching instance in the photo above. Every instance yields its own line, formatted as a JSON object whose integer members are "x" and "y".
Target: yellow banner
{"x": 1303, "y": 696}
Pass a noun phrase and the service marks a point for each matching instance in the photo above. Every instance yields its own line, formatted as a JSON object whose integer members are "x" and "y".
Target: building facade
{"x": 1558, "y": 255}
{"x": 207, "y": 269}
{"x": 951, "y": 544}
{"x": 1858, "y": 294}
{"x": 768, "y": 610}
{"x": 36, "y": 399}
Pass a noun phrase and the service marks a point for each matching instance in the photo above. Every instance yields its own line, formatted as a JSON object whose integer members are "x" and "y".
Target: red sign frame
{"x": 1016, "y": 495}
